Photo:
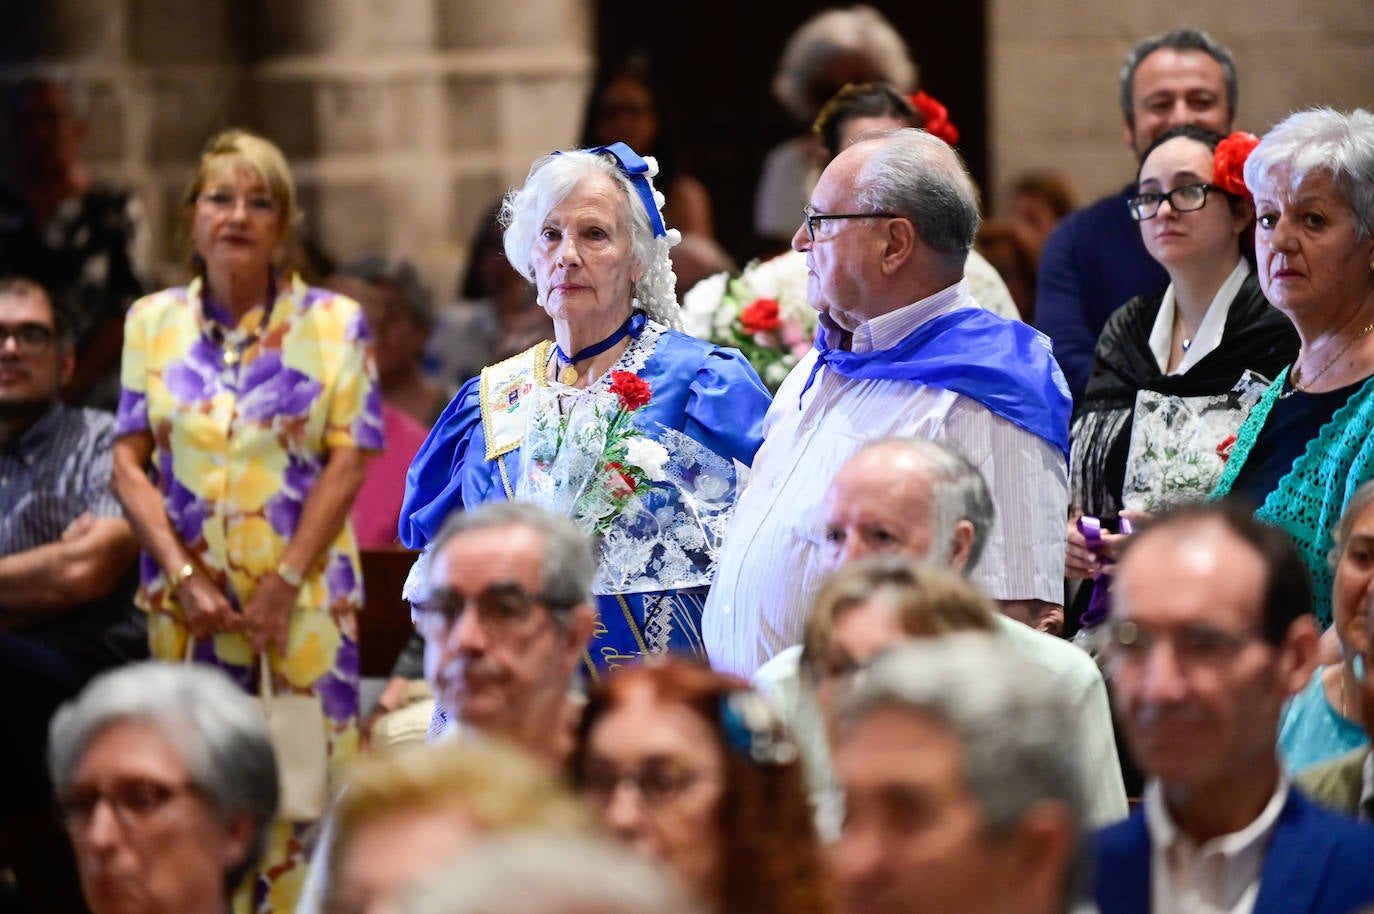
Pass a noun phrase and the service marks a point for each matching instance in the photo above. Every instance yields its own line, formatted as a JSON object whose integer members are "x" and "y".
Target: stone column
{"x": 402, "y": 119}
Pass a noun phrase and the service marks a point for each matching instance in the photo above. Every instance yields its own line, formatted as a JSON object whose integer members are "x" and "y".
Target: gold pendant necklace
{"x": 1305, "y": 385}
{"x": 568, "y": 376}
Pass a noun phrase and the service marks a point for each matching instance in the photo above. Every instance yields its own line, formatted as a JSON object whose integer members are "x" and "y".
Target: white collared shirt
{"x": 771, "y": 562}
{"x": 1220, "y": 876}
{"x": 1208, "y": 336}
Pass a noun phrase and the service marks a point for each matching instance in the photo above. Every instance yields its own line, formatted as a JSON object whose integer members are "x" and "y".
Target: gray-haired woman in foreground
{"x": 167, "y": 784}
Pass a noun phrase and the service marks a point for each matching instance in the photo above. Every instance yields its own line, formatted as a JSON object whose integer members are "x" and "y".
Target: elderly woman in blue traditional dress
{"x": 631, "y": 427}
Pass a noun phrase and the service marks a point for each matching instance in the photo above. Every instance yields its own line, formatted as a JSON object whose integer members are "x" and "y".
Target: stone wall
{"x": 404, "y": 120}
{"x": 1054, "y": 65}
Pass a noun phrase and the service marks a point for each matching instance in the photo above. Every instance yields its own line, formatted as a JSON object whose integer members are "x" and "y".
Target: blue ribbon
{"x": 632, "y": 327}
{"x": 637, "y": 170}
{"x": 1005, "y": 365}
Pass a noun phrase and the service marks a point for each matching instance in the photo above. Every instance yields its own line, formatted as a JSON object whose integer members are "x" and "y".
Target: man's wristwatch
{"x": 290, "y": 575}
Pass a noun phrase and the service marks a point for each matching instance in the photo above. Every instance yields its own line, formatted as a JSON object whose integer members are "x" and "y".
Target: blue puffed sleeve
{"x": 726, "y": 403}
{"x": 434, "y": 482}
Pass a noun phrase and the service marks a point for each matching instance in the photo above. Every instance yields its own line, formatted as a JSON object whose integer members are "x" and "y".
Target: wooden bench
{"x": 384, "y": 624}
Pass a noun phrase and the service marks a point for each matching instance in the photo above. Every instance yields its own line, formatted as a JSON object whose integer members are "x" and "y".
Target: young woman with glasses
{"x": 1192, "y": 339}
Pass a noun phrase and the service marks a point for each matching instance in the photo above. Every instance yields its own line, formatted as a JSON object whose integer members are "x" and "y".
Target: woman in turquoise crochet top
{"x": 1309, "y": 443}
{"x": 1328, "y": 718}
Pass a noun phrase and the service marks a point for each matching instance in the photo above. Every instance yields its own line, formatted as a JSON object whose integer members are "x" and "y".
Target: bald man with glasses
{"x": 904, "y": 350}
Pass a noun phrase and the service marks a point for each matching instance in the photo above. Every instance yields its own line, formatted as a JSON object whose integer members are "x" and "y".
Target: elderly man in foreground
{"x": 1211, "y": 632}
{"x": 932, "y": 821}
{"x": 920, "y": 500}
{"x": 506, "y": 622}
{"x": 904, "y": 350}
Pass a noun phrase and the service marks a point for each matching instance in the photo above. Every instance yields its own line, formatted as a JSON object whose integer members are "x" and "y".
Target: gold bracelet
{"x": 183, "y": 574}
{"x": 290, "y": 575}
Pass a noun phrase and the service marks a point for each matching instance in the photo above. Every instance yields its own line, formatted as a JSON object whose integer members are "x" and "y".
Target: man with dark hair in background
{"x": 66, "y": 572}
{"x": 1095, "y": 261}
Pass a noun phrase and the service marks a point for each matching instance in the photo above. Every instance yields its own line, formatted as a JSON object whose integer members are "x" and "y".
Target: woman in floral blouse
{"x": 253, "y": 399}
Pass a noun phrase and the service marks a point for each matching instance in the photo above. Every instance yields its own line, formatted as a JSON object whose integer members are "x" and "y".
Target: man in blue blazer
{"x": 1210, "y": 633}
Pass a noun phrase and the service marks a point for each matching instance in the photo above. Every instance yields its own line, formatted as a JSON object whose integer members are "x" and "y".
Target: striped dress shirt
{"x": 771, "y": 562}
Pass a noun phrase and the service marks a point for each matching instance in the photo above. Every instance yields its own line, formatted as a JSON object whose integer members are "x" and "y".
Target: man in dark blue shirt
{"x": 1095, "y": 262}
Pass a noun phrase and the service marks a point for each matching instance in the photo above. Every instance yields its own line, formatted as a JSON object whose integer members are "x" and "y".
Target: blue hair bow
{"x": 637, "y": 170}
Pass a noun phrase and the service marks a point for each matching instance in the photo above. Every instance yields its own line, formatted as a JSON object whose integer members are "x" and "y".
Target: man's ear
{"x": 961, "y": 546}
{"x": 1128, "y": 136}
{"x": 1042, "y": 848}
{"x": 66, "y": 364}
{"x": 900, "y": 241}
{"x": 1298, "y": 654}
{"x": 578, "y": 632}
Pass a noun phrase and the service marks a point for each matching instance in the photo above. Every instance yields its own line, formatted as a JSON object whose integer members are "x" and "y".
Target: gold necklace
{"x": 1299, "y": 384}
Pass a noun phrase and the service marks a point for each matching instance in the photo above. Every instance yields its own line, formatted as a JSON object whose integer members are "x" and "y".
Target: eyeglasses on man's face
{"x": 1183, "y": 199}
{"x": 132, "y": 800}
{"x": 1195, "y": 647}
{"x": 813, "y": 218}
{"x": 29, "y": 338}
{"x": 499, "y": 608}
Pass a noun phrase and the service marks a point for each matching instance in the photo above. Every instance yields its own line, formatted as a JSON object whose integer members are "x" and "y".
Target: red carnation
{"x": 1228, "y": 162}
{"x": 632, "y": 390}
{"x": 761, "y": 316}
{"x": 623, "y": 484}
{"x": 936, "y": 117}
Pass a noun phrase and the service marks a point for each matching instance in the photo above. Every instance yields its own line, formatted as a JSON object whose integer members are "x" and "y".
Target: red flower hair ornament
{"x": 936, "y": 117}
{"x": 1228, "y": 162}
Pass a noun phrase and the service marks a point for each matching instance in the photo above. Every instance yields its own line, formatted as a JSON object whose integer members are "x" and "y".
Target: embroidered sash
{"x": 502, "y": 392}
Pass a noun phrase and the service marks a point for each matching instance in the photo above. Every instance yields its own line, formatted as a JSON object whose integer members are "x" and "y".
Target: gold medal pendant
{"x": 568, "y": 376}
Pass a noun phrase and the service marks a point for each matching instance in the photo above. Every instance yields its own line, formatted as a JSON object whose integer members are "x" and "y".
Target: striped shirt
{"x": 772, "y": 560}
{"x": 51, "y": 474}
{"x": 55, "y": 471}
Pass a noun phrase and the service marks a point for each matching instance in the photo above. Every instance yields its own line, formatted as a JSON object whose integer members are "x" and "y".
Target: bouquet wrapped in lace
{"x": 763, "y": 312}
{"x": 658, "y": 507}
{"x": 1179, "y": 445}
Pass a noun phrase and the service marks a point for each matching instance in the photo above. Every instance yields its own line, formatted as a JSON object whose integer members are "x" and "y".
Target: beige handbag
{"x": 297, "y": 728}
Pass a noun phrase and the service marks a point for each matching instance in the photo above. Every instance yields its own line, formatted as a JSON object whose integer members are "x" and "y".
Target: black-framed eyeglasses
{"x": 812, "y": 217}
{"x": 29, "y": 338}
{"x": 132, "y": 800}
{"x": 1186, "y": 198}
{"x": 500, "y": 607}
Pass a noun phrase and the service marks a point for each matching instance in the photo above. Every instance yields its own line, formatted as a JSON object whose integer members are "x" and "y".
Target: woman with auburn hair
{"x": 693, "y": 769}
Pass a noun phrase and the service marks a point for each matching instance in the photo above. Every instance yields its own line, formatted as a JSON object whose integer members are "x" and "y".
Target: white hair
{"x": 221, "y": 733}
{"x": 550, "y": 180}
{"x": 831, "y": 34}
{"x": 1321, "y": 140}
